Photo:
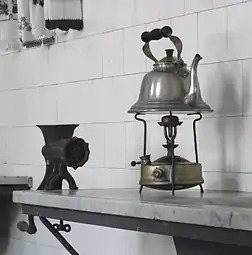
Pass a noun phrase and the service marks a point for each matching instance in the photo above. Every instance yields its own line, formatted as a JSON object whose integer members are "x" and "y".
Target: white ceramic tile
{"x": 219, "y": 144}
{"x": 14, "y": 64}
{"x": 115, "y": 241}
{"x": 115, "y": 145}
{"x": 83, "y": 59}
{"x": 221, "y": 87}
{"x": 238, "y": 28}
{"x": 94, "y": 135}
{"x": 3, "y": 145}
{"x": 6, "y": 169}
{"x": 105, "y": 178}
{"x": 244, "y": 145}
{"x": 134, "y": 59}
{"x": 106, "y": 12}
{"x": 99, "y": 16}
{"x": 113, "y": 53}
{"x": 146, "y": 12}
{"x": 57, "y": 63}
{"x": 4, "y": 83}
{"x": 170, "y": 8}
{"x": 92, "y": 24}
{"x": 198, "y": 5}
{"x": 75, "y": 57}
{"x": 220, "y": 3}
{"x": 102, "y": 106}
{"x": 35, "y": 68}
{"x": 124, "y": 13}
{"x": 184, "y": 140}
{"x": 213, "y": 35}
{"x": 32, "y": 73}
{"x": 105, "y": 100}
{"x": 74, "y": 100}
{"x": 156, "y": 140}
{"x": 89, "y": 233}
{"x": 225, "y": 181}
{"x": 24, "y": 146}
{"x": 142, "y": 243}
{"x": 126, "y": 91}
{"x": 40, "y": 106}
{"x": 247, "y": 87}
{"x": 14, "y": 101}
{"x": 134, "y": 143}
{"x": 186, "y": 29}
{"x": 92, "y": 53}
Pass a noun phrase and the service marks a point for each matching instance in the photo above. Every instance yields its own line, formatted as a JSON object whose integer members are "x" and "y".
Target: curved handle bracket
{"x": 157, "y": 34}
{"x": 148, "y": 53}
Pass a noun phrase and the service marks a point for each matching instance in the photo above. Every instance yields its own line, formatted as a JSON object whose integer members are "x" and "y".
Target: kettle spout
{"x": 194, "y": 90}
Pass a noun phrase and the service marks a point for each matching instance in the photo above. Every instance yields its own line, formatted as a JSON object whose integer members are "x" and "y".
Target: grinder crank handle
{"x": 156, "y": 34}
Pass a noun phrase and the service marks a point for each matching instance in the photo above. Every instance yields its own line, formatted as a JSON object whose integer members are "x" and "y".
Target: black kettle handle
{"x": 157, "y": 34}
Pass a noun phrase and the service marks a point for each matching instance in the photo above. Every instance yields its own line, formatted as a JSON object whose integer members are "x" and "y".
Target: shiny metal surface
{"x": 160, "y": 92}
{"x": 158, "y": 176}
{"x": 193, "y": 97}
{"x": 170, "y": 86}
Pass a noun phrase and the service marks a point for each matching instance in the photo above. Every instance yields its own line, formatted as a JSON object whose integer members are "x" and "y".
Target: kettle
{"x": 170, "y": 86}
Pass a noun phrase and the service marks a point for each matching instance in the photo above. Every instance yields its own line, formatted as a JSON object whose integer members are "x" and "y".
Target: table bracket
{"x": 59, "y": 237}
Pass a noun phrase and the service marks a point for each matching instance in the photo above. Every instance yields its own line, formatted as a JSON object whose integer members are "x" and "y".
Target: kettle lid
{"x": 168, "y": 62}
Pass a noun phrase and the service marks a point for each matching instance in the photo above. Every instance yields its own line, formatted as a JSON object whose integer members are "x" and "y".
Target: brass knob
{"x": 157, "y": 173}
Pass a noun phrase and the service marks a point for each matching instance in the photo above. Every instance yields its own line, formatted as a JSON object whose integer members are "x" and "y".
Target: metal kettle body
{"x": 170, "y": 86}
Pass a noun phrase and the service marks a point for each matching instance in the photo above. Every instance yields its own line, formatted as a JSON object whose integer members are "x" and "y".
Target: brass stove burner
{"x": 170, "y": 172}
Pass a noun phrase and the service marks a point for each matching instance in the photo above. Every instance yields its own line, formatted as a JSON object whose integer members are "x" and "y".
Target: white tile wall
{"x": 92, "y": 77}
{"x": 134, "y": 60}
{"x": 115, "y": 145}
{"x": 220, "y": 3}
{"x": 113, "y": 53}
{"x": 212, "y": 41}
{"x": 238, "y": 26}
{"x": 186, "y": 28}
{"x": 222, "y": 87}
{"x": 198, "y": 5}
{"x": 247, "y": 86}
{"x": 146, "y": 11}
{"x": 169, "y": 8}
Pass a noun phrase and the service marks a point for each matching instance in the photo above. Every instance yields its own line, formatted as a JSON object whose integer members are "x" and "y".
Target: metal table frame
{"x": 189, "y": 239}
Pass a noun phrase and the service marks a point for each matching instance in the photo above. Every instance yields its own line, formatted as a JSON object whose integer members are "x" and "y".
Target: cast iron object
{"x": 61, "y": 150}
{"x": 170, "y": 86}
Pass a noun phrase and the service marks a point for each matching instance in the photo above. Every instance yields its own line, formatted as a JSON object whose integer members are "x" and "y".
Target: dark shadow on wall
{"x": 228, "y": 128}
{"x": 8, "y": 211}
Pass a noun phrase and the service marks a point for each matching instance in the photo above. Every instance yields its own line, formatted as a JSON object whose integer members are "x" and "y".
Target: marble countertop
{"x": 218, "y": 209}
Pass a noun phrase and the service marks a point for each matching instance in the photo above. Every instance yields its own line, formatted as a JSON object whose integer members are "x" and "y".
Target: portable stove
{"x": 170, "y": 87}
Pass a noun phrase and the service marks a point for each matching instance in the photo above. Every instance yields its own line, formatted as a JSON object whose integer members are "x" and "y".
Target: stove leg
{"x": 141, "y": 189}
{"x": 201, "y": 189}
{"x": 185, "y": 246}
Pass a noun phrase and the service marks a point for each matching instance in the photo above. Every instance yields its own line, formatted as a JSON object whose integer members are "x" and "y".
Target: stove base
{"x": 159, "y": 176}
{"x": 186, "y": 246}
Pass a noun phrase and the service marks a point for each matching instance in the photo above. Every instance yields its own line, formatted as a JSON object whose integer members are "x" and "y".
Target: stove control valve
{"x": 134, "y": 163}
{"x": 158, "y": 172}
